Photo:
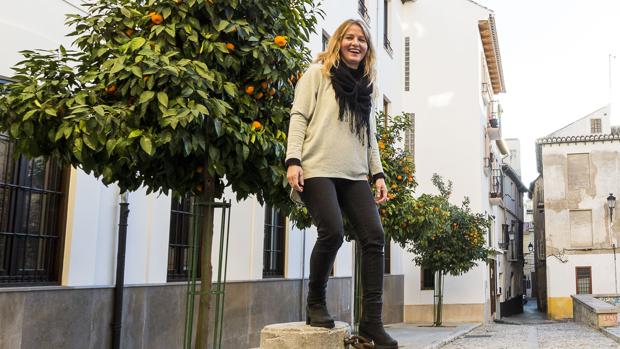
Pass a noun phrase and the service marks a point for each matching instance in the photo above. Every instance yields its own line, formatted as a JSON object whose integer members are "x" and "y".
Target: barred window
{"x": 596, "y": 126}
{"x": 583, "y": 280}
{"x": 181, "y": 239}
{"x": 32, "y": 218}
{"x": 273, "y": 251}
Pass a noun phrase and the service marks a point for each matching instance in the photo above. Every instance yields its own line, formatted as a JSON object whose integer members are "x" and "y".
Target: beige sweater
{"x": 325, "y": 145}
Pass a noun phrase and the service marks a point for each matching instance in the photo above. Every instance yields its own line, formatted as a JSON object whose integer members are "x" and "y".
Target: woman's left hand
{"x": 381, "y": 191}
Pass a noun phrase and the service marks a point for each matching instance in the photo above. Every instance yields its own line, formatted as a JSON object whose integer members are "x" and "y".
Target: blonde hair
{"x": 331, "y": 56}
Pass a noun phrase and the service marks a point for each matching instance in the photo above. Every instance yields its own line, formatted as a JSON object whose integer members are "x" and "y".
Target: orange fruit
{"x": 393, "y": 186}
{"x": 280, "y": 40}
{"x": 299, "y": 75}
{"x": 264, "y": 85}
{"x": 291, "y": 78}
{"x": 230, "y": 46}
{"x": 110, "y": 89}
{"x": 381, "y": 145}
{"x": 249, "y": 89}
{"x": 399, "y": 177}
{"x": 156, "y": 18}
{"x": 259, "y": 95}
{"x": 256, "y": 125}
{"x": 234, "y": 29}
{"x": 200, "y": 169}
{"x": 410, "y": 178}
{"x": 272, "y": 91}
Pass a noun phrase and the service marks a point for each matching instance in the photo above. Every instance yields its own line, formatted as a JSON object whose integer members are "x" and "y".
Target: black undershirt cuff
{"x": 377, "y": 176}
{"x": 292, "y": 161}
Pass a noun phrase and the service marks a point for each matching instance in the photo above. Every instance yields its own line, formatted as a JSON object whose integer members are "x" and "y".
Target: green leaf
{"x": 29, "y": 114}
{"x": 230, "y": 88}
{"x": 99, "y": 110}
{"x": 162, "y": 97}
{"x": 50, "y": 111}
{"x": 110, "y": 145}
{"x": 136, "y": 71}
{"x": 135, "y": 133}
{"x": 146, "y": 96}
{"x": 146, "y": 145}
{"x": 137, "y": 42}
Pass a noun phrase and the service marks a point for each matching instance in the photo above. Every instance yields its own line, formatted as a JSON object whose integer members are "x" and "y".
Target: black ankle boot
{"x": 375, "y": 332}
{"x": 318, "y": 316}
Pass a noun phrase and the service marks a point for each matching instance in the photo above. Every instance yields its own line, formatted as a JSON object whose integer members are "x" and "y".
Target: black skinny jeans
{"x": 327, "y": 199}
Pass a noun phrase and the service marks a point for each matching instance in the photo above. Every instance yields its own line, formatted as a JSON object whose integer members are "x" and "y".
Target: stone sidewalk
{"x": 422, "y": 336}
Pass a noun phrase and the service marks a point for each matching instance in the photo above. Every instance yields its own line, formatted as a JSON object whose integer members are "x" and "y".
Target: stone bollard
{"x": 298, "y": 335}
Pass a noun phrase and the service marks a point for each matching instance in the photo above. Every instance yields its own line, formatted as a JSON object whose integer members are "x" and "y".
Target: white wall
{"x": 561, "y": 276}
{"x": 445, "y": 95}
{"x": 582, "y": 126}
{"x": 30, "y": 24}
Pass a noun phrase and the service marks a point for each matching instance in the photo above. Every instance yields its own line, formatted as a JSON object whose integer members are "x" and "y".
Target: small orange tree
{"x": 182, "y": 95}
{"x": 449, "y": 239}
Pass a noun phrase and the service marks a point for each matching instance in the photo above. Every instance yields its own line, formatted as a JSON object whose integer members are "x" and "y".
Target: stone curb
{"x": 610, "y": 334}
{"x": 452, "y": 337}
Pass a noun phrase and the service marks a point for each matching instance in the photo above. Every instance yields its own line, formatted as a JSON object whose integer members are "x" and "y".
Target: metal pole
{"x": 303, "y": 270}
{"x": 120, "y": 273}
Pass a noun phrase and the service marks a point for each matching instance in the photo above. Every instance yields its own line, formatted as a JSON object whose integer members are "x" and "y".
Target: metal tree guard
{"x": 219, "y": 288}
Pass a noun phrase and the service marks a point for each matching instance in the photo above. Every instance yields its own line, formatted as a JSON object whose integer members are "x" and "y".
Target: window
{"x": 386, "y": 110}
{"x": 387, "y": 256}
{"x": 363, "y": 11}
{"x": 596, "y": 126}
{"x": 386, "y": 27}
{"x": 407, "y": 62}
{"x": 324, "y": 40}
{"x": 410, "y": 135}
{"x": 181, "y": 239}
{"x": 32, "y": 212}
{"x": 427, "y": 279}
{"x": 583, "y": 280}
{"x": 273, "y": 251}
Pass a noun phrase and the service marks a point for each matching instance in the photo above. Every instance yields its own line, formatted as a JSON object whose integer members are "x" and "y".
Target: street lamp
{"x": 530, "y": 247}
{"x": 611, "y": 203}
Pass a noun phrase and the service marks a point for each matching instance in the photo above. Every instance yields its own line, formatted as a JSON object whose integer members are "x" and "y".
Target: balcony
{"x": 496, "y": 193}
{"x": 494, "y": 129}
{"x": 487, "y": 93}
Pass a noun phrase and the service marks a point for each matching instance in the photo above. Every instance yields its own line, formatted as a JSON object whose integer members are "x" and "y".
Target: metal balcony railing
{"x": 496, "y": 183}
{"x": 387, "y": 45}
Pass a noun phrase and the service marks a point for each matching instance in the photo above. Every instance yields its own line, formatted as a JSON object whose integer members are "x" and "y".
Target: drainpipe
{"x": 120, "y": 273}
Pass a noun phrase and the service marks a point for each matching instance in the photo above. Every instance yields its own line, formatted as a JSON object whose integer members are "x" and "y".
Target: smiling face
{"x": 353, "y": 46}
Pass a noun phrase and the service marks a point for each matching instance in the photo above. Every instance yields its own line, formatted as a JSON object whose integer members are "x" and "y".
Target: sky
{"x": 555, "y": 58}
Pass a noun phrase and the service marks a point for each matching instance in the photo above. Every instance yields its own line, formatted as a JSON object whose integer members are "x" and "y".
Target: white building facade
{"x": 437, "y": 60}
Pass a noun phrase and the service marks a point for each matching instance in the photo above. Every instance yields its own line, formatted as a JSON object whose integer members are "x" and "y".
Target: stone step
{"x": 298, "y": 335}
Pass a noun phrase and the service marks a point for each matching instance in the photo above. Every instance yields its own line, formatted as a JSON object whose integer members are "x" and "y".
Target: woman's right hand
{"x": 295, "y": 176}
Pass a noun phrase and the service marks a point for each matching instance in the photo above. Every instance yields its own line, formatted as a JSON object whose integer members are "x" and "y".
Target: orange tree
{"x": 449, "y": 239}
{"x": 182, "y": 95}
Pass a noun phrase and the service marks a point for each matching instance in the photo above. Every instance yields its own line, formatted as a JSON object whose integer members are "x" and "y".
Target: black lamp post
{"x": 530, "y": 247}
{"x": 611, "y": 202}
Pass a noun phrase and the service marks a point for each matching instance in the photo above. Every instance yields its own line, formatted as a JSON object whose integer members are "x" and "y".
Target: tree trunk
{"x": 439, "y": 298}
{"x": 206, "y": 269}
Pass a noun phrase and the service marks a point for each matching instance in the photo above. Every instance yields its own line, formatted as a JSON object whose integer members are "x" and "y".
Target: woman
{"x": 331, "y": 150}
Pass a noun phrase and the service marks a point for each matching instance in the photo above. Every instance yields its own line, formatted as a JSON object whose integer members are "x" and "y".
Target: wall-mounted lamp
{"x": 530, "y": 247}
{"x": 611, "y": 203}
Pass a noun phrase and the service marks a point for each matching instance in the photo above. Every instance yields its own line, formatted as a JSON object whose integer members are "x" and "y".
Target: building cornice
{"x": 490, "y": 44}
{"x": 579, "y": 139}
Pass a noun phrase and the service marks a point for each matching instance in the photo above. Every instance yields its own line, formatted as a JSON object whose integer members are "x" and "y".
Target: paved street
{"x": 531, "y": 330}
{"x": 562, "y": 335}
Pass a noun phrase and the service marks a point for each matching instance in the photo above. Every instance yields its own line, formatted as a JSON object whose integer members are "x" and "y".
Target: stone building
{"x": 579, "y": 168}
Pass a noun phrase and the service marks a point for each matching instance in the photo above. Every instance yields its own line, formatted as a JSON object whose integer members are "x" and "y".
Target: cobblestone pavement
{"x": 561, "y": 335}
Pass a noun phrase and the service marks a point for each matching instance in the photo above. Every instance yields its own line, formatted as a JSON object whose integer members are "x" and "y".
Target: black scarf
{"x": 353, "y": 93}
